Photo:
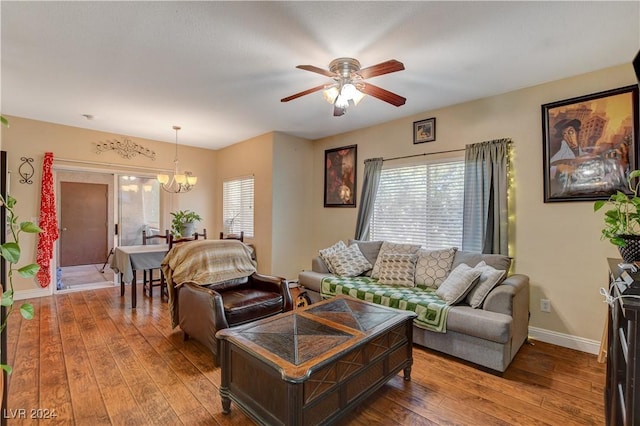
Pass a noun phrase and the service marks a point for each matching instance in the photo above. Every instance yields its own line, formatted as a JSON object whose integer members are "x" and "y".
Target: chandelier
{"x": 179, "y": 183}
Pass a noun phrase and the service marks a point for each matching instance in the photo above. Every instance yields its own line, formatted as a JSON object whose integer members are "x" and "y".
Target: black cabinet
{"x": 622, "y": 393}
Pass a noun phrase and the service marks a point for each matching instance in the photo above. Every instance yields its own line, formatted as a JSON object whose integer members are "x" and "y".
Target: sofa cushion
{"x": 458, "y": 284}
{"x": 489, "y": 278}
{"x": 397, "y": 269}
{"x": 327, "y": 252}
{"x": 369, "y": 249}
{"x": 388, "y": 247}
{"x": 498, "y": 261}
{"x": 433, "y": 266}
{"x": 349, "y": 262}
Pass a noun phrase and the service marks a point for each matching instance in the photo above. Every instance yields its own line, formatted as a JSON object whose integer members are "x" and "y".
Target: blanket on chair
{"x": 205, "y": 262}
{"x": 432, "y": 311}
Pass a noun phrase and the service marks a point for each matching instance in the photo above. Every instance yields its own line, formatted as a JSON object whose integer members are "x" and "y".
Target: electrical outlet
{"x": 545, "y": 305}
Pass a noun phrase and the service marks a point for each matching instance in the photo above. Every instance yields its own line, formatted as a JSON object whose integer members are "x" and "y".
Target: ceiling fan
{"x": 350, "y": 86}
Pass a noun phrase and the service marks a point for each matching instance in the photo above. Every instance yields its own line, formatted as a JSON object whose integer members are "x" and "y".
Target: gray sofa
{"x": 489, "y": 336}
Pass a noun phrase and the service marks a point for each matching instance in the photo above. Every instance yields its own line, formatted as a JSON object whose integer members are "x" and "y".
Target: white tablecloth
{"x": 126, "y": 259}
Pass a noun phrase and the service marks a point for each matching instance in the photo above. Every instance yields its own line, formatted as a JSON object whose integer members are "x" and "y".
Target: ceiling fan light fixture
{"x": 357, "y": 97}
{"x": 342, "y": 102}
{"x": 330, "y": 94}
{"x": 348, "y": 91}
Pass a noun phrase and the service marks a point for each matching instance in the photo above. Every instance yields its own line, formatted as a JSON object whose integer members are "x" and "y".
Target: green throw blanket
{"x": 432, "y": 311}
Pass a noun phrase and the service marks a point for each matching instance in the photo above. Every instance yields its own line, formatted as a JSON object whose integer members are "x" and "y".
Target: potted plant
{"x": 183, "y": 223}
{"x": 622, "y": 220}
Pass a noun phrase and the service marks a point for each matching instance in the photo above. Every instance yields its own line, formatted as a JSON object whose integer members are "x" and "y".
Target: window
{"x": 237, "y": 206}
{"x": 420, "y": 204}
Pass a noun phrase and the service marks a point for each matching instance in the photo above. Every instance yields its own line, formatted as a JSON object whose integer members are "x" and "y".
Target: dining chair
{"x": 148, "y": 280}
{"x": 239, "y": 236}
{"x": 173, "y": 241}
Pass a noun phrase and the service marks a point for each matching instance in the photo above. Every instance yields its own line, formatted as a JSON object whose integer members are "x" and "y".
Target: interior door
{"x": 83, "y": 223}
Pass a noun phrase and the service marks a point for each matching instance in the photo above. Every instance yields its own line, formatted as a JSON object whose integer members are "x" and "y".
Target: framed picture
{"x": 590, "y": 145}
{"x": 424, "y": 130}
{"x": 340, "y": 176}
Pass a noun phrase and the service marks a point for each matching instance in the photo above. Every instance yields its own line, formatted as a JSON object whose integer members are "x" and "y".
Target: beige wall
{"x": 556, "y": 244}
{"x": 30, "y": 138}
{"x": 292, "y": 204}
{"x": 251, "y": 157}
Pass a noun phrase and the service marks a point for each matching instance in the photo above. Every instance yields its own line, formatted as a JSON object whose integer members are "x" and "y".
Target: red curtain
{"x": 48, "y": 222}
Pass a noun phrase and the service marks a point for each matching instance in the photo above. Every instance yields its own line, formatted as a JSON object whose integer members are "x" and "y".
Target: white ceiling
{"x": 219, "y": 69}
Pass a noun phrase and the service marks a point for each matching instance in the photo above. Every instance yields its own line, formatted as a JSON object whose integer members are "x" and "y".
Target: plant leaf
{"x": 10, "y": 251}
{"x": 26, "y": 309}
{"x": 29, "y": 271}
{"x": 7, "y": 299}
{"x": 598, "y": 205}
{"x": 6, "y": 368}
{"x": 30, "y": 227}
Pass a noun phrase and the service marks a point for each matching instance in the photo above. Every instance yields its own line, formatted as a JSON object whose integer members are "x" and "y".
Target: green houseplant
{"x": 622, "y": 220}
{"x": 11, "y": 252}
{"x": 183, "y": 223}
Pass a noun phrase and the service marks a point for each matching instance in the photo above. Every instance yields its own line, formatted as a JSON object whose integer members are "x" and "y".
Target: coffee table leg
{"x": 407, "y": 374}
{"x": 226, "y": 401}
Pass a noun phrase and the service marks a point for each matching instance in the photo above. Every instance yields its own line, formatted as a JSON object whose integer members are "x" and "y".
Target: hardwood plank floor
{"x": 90, "y": 359}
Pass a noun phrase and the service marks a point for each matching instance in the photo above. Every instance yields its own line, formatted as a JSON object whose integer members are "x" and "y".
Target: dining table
{"x": 129, "y": 259}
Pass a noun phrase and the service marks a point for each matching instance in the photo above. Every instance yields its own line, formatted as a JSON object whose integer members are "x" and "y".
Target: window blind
{"x": 420, "y": 204}
{"x": 237, "y": 205}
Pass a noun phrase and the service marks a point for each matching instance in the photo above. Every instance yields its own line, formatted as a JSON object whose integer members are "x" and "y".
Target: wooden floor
{"x": 89, "y": 359}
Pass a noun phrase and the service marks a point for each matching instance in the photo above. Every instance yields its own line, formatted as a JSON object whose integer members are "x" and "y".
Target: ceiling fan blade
{"x": 383, "y": 95}
{"x": 380, "y": 69}
{"x": 306, "y": 92}
{"x": 316, "y": 70}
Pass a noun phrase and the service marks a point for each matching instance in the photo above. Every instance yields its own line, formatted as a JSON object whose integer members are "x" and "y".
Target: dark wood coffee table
{"x": 310, "y": 366}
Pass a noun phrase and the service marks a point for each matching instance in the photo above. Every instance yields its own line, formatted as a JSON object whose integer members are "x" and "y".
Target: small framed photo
{"x": 424, "y": 130}
{"x": 589, "y": 145}
{"x": 340, "y": 176}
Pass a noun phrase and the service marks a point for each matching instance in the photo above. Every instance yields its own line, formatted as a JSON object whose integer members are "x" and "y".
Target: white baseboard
{"x": 565, "y": 340}
{"x": 33, "y": 292}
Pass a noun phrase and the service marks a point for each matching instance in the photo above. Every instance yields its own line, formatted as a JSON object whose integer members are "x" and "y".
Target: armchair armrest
{"x": 276, "y": 285}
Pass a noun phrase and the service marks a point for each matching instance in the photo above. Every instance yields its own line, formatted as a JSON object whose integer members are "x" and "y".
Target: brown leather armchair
{"x": 205, "y": 309}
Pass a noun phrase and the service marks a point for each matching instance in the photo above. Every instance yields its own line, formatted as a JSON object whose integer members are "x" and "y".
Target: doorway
{"x": 83, "y": 223}
{"x": 90, "y": 204}
{"x": 85, "y": 203}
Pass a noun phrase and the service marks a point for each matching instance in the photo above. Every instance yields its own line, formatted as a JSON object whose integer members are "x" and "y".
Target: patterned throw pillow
{"x": 433, "y": 266}
{"x": 326, "y": 253}
{"x": 388, "y": 247}
{"x": 488, "y": 280}
{"x": 349, "y": 262}
{"x": 397, "y": 269}
{"x": 369, "y": 249}
{"x": 458, "y": 284}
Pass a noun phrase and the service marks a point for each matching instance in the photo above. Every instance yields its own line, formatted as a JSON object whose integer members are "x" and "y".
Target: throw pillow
{"x": 498, "y": 261}
{"x": 369, "y": 249}
{"x": 397, "y": 269}
{"x": 458, "y": 284}
{"x": 326, "y": 253}
{"x": 489, "y": 278}
{"x": 349, "y": 262}
{"x": 388, "y": 247}
{"x": 433, "y": 266}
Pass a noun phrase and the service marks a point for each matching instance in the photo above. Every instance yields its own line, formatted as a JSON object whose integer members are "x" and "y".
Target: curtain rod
{"x": 423, "y": 154}
{"x": 121, "y": 166}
